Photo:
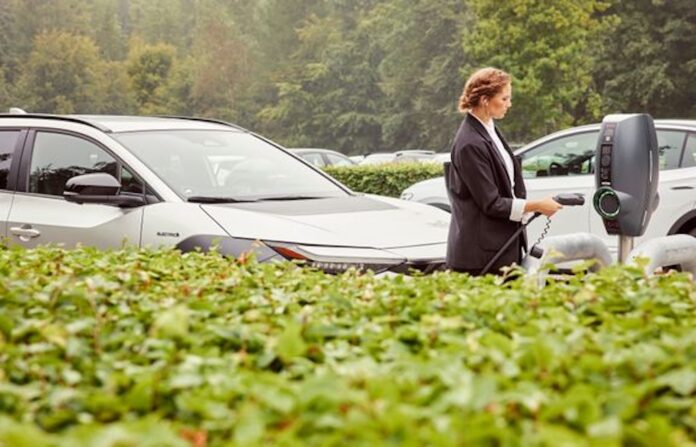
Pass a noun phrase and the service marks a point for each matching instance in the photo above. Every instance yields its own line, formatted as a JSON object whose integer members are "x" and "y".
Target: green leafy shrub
{"x": 156, "y": 348}
{"x": 387, "y": 179}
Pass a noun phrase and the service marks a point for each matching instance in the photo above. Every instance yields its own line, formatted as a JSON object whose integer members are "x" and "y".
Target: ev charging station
{"x": 626, "y": 177}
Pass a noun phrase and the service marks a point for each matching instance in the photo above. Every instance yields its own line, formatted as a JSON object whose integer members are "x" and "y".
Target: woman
{"x": 484, "y": 181}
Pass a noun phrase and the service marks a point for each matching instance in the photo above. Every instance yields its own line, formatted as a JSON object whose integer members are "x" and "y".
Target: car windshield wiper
{"x": 214, "y": 199}
{"x": 298, "y": 197}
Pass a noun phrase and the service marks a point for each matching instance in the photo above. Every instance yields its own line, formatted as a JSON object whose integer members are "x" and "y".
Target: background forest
{"x": 353, "y": 75}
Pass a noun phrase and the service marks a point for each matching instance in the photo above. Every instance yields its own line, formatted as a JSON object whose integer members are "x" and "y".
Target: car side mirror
{"x": 101, "y": 188}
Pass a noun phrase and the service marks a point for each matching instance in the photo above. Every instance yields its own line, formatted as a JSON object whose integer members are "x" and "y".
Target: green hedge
{"x": 162, "y": 349}
{"x": 387, "y": 179}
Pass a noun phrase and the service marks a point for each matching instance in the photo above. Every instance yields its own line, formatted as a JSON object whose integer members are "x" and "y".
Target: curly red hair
{"x": 484, "y": 83}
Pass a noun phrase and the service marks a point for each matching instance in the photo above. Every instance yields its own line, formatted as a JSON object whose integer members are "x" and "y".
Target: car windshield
{"x": 223, "y": 166}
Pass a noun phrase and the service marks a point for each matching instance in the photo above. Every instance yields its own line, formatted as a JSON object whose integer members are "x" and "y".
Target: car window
{"x": 337, "y": 160}
{"x": 670, "y": 144}
{"x": 570, "y": 155}
{"x": 689, "y": 159}
{"x": 58, "y": 157}
{"x": 8, "y": 142}
{"x": 313, "y": 158}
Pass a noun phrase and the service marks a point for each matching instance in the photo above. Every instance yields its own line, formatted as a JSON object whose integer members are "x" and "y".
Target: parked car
{"x": 357, "y": 158}
{"x": 403, "y": 156}
{"x": 564, "y": 162}
{"x": 378, "y": 158}
{"x": 413, "y": 155}
{"x": 190, "y": 183}
{"x": 323, "y": 157}
{"x": 441, "y": 157}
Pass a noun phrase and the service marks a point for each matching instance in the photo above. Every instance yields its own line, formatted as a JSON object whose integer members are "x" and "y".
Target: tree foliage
{"x": 649, "y": 60}
{"x": 149, "y": 69}
{"x": 545, "y": 47}
{"x": 4, "y": 96}
{"x": 354, "y": 75}
{"x": 64, "y": 74}
{"x": 419, "y": 72}
{"x": 327, "y": 94}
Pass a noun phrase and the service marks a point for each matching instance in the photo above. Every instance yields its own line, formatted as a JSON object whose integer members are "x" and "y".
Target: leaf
{"x": 682, "y": 381}
{"x": 250, "y": 426}
{"x": 172, "y": 323}
{"x": 290, "y": 343}
{"x": 606, "y": 428}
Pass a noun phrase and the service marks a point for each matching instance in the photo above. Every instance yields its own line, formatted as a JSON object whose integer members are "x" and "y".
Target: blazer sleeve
{"x": 474, "y": 168}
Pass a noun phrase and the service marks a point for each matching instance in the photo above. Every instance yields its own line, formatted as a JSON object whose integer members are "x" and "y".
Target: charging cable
{"x": 570, "y": 199}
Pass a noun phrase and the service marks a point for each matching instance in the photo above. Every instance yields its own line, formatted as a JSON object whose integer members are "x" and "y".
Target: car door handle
{"x": 25, "y": 232}
{"x": 681, "y": 187}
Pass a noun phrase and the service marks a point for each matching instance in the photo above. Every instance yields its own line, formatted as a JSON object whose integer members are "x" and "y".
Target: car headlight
{"x": 339, "y": 259}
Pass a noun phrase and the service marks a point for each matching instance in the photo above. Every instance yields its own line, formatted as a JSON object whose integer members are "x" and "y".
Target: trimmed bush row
{"x": 156, "y": 348}
{"x": 387, "y": 179}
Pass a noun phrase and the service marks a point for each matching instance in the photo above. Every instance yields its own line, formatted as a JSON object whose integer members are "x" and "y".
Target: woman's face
{"x": 500, "y": 103}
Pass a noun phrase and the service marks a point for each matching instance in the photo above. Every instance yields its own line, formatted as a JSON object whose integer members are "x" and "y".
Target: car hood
{"x": 351, "y": 221}
{"x": 435, "y": 183}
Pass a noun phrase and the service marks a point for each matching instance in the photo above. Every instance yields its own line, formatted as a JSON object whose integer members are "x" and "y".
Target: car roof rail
{"x": 207, "y": 120}
{"x": 48, "y": 116}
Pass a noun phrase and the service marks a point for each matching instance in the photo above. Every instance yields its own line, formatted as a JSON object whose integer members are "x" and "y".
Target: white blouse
{"x": 517, "y": 210}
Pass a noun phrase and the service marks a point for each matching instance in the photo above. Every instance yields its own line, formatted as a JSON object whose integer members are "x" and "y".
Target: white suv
{"x": 564, "y": 162}
{"x": 191, "y": 183}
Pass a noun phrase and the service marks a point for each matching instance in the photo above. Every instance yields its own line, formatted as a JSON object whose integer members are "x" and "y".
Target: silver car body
{"x": 332, "y": 233}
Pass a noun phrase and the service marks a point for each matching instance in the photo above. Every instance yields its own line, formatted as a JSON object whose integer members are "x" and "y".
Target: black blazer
{"x": 481, "y": 196}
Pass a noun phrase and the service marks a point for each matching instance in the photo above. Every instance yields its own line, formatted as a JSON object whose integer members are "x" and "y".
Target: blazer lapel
{"x": 476, "y": 125}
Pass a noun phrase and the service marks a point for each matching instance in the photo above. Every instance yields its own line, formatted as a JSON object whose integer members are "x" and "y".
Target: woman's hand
{"x": 546, "y": 206}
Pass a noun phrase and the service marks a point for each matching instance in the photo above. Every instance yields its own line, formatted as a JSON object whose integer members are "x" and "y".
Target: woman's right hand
{"x": 546, "y": 206}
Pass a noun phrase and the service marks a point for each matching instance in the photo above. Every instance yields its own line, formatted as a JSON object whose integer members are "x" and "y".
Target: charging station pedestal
{"x": 626, "y": 176}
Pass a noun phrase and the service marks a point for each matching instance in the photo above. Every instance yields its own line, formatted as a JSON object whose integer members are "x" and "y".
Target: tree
{"x": 545, "y": 46}
{"x": 25, "y": 19}
{"x": 419, "y": 70}
{"x": 149, "y": 68}
{"x": 107, "y": 29}
{"x": 64, "y": 74}
{"x": 6, "y": 36}
{"x": 4, "y": 96}
{"x": 163, "y": 21}
{"x": 648, "y": 63}
{"x": 115, "y": 95}
{"x": 220, "y": 65}
{"x": 328, "y": 94}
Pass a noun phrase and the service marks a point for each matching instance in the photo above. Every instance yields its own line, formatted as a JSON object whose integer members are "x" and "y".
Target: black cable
{"x": 545, "y": 232}
{"x": 507, "y": 244}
